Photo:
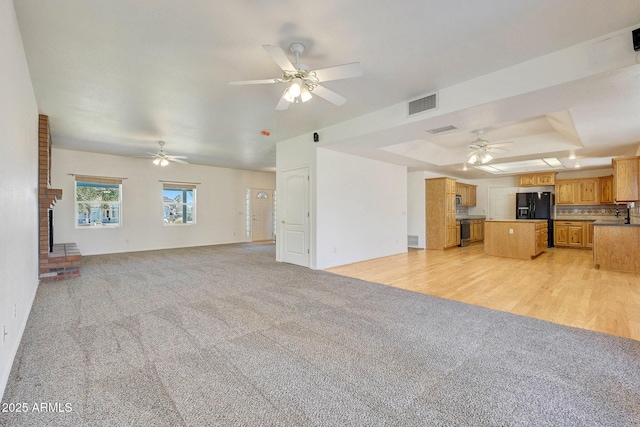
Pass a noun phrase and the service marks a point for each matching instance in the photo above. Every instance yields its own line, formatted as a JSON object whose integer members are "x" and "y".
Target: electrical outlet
{"x": 4, "y": 334}
{"x": 511, "y": 231}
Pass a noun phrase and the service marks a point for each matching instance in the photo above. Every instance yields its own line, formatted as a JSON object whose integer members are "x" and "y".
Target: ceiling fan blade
{"x": 492, "y": 148}
{"x": 345, "y": 71}
{"x": 177, "y": 157}
{"x": 500, "y": 144}
{"x": 173, "y": 159}
{"x": 278, "y": 55}
{"x": 329, "y": 95}
{"x": 283, "y": 104}
{"x": 254, "y": 82}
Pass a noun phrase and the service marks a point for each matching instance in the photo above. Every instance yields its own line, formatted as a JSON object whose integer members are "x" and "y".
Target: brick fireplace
{"x": 61, "y": 260}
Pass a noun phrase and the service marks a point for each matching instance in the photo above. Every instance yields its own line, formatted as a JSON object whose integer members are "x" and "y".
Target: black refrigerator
{"x": 536, "y": 206}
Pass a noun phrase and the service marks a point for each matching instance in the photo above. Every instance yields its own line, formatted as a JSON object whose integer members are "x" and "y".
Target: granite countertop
{"x": 615, "y": 222}
{"x": 517, "y": 220}
{"x": 459, "y": 217}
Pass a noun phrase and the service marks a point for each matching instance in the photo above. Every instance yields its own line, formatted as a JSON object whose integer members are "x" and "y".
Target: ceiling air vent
{"x": 426, "y": 103}
{"x": 442, "y": 129}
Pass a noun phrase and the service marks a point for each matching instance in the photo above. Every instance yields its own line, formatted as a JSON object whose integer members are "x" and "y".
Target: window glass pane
{"x": 97, "y": 204}
{"x": 177, "y": 195}
{"x": 86, "y": 191}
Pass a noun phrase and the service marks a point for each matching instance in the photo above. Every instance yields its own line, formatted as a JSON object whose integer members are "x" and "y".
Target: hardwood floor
{"x": 561, "y": 285}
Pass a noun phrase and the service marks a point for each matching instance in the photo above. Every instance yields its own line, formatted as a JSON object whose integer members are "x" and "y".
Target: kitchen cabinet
{"x": 542, "y": 237}
{"x": 573, "y": 234}
{"x": 625, "y": 179}
{"x": 458, "y": 232}
{"x": 589, "y": 237}
{"x": 587, "y": 191}
{"x": 577, "y": 191}
{"x": 467, "y": 192}
{"x": 476, "y": 227}
{"x": 605, "y": 190}
{"x": 565, "y": 192}
{"x": 440, "y": 199}
{"x": 537, "y": 179}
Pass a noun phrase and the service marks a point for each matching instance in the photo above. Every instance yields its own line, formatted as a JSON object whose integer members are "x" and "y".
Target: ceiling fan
{"x": 302, "y": 80}
{"x": 479, "y": 149}
{"x": 161, "y": 158}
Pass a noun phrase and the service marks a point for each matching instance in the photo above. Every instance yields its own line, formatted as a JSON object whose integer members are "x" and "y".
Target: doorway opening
{"x": 261, "y": 215}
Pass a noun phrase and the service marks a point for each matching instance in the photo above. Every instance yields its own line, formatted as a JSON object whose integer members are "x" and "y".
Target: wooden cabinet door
{"x": 472, "y": 195}
{"x": 565, "y": 192}
{"x": 527, "y": 180}
{"x": 589, "y": 234}
{"x": 561, "y": 235}
{"x": 587, "y": 191}
{"x": 545, "y": 179}
{"x": 605, "y": 189}
{"x": 575, "y": 235}
{"x": 625, "y": 179}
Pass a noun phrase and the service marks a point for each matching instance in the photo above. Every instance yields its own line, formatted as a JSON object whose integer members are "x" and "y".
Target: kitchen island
{"x": 511, "y": 238}
{"x": 616, "y": 246}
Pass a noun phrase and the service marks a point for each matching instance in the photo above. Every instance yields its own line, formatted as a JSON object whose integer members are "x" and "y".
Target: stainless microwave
{"x": 458, "y": 200}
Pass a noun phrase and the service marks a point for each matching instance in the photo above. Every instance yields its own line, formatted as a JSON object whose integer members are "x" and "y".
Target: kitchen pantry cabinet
{"x": 440, "y": 199}
{"x": 577, "y": 192}
{"x": 574, "y": 234}
{"x": 537, "y": 179}
{"x": 625, "y": 179}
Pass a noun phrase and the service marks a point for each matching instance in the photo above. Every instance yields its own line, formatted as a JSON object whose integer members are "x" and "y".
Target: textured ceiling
{"x": 117, "y": 76}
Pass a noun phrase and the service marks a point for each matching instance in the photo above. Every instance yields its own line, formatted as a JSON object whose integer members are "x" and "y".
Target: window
{"x": 179, "y": 203}
{"x": 98, "y": 202}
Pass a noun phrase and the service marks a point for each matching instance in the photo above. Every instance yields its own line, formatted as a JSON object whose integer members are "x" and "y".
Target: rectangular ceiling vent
{"x": 426, "y": 103}
{"x": 442, "y": 129}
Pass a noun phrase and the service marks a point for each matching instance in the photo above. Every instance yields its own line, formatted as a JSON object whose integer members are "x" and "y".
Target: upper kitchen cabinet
{"x": 586, "y": 191}
{"x": 565, "y": 192}
{"x": 537, "y": 179}
{"x": 625, "y": 179}
{"x": 467, "y": 193}
{"x": 605, "y": 189}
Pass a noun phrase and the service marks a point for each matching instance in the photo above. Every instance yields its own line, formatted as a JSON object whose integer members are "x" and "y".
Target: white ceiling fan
{"x": 479, "y": 149}
{"x": 161, "y": 158}
{"x": 302, "y": 80}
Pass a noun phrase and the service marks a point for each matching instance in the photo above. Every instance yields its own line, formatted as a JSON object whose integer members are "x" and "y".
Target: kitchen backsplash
{"x": 462, "y": 210}
{"x": 596, "y": 212}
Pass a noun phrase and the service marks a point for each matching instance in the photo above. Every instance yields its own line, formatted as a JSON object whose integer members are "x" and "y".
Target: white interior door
{"x": 502, "y": 202}
{"x": 261, "y": 215}
{"x": 295, "y": 217}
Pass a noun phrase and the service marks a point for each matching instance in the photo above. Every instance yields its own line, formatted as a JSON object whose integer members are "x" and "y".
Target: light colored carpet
{"x": 224, "y": 335}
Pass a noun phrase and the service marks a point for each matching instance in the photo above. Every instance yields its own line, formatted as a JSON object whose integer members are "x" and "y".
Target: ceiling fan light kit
{"x": 302, "y": 80}
{"x": 161, "y": 158}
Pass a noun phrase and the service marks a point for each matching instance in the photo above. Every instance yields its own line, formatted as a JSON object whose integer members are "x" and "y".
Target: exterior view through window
{"x": 98, "y": 202}
{"x": 179, "y": 203}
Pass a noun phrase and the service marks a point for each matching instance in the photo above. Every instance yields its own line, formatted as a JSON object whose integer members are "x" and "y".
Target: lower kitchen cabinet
{"x": 477, "y": 230}
{"x": 573, "y": 234}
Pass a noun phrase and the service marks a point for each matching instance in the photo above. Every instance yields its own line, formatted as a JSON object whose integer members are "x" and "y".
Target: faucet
{"x": 617, "y": 212}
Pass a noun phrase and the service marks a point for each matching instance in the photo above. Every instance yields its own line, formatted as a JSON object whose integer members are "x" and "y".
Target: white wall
{"x": 220, "y": 203}
{"x": 416, "y": 206}
{"x": 19, "y": 177}
{"x": 361, "y": 209}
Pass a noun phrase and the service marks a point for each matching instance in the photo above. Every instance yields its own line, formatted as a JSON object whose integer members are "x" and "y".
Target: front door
{"x": 261, "y": 215}
{"x": 295, "y": 217}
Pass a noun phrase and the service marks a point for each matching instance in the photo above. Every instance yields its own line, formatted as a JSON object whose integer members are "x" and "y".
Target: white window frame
{"x": 87, "y": 224}
{"x": 182, "y": 205}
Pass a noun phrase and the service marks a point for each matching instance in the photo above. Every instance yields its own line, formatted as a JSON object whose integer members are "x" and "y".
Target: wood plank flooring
{"x": 561, "y": 285}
